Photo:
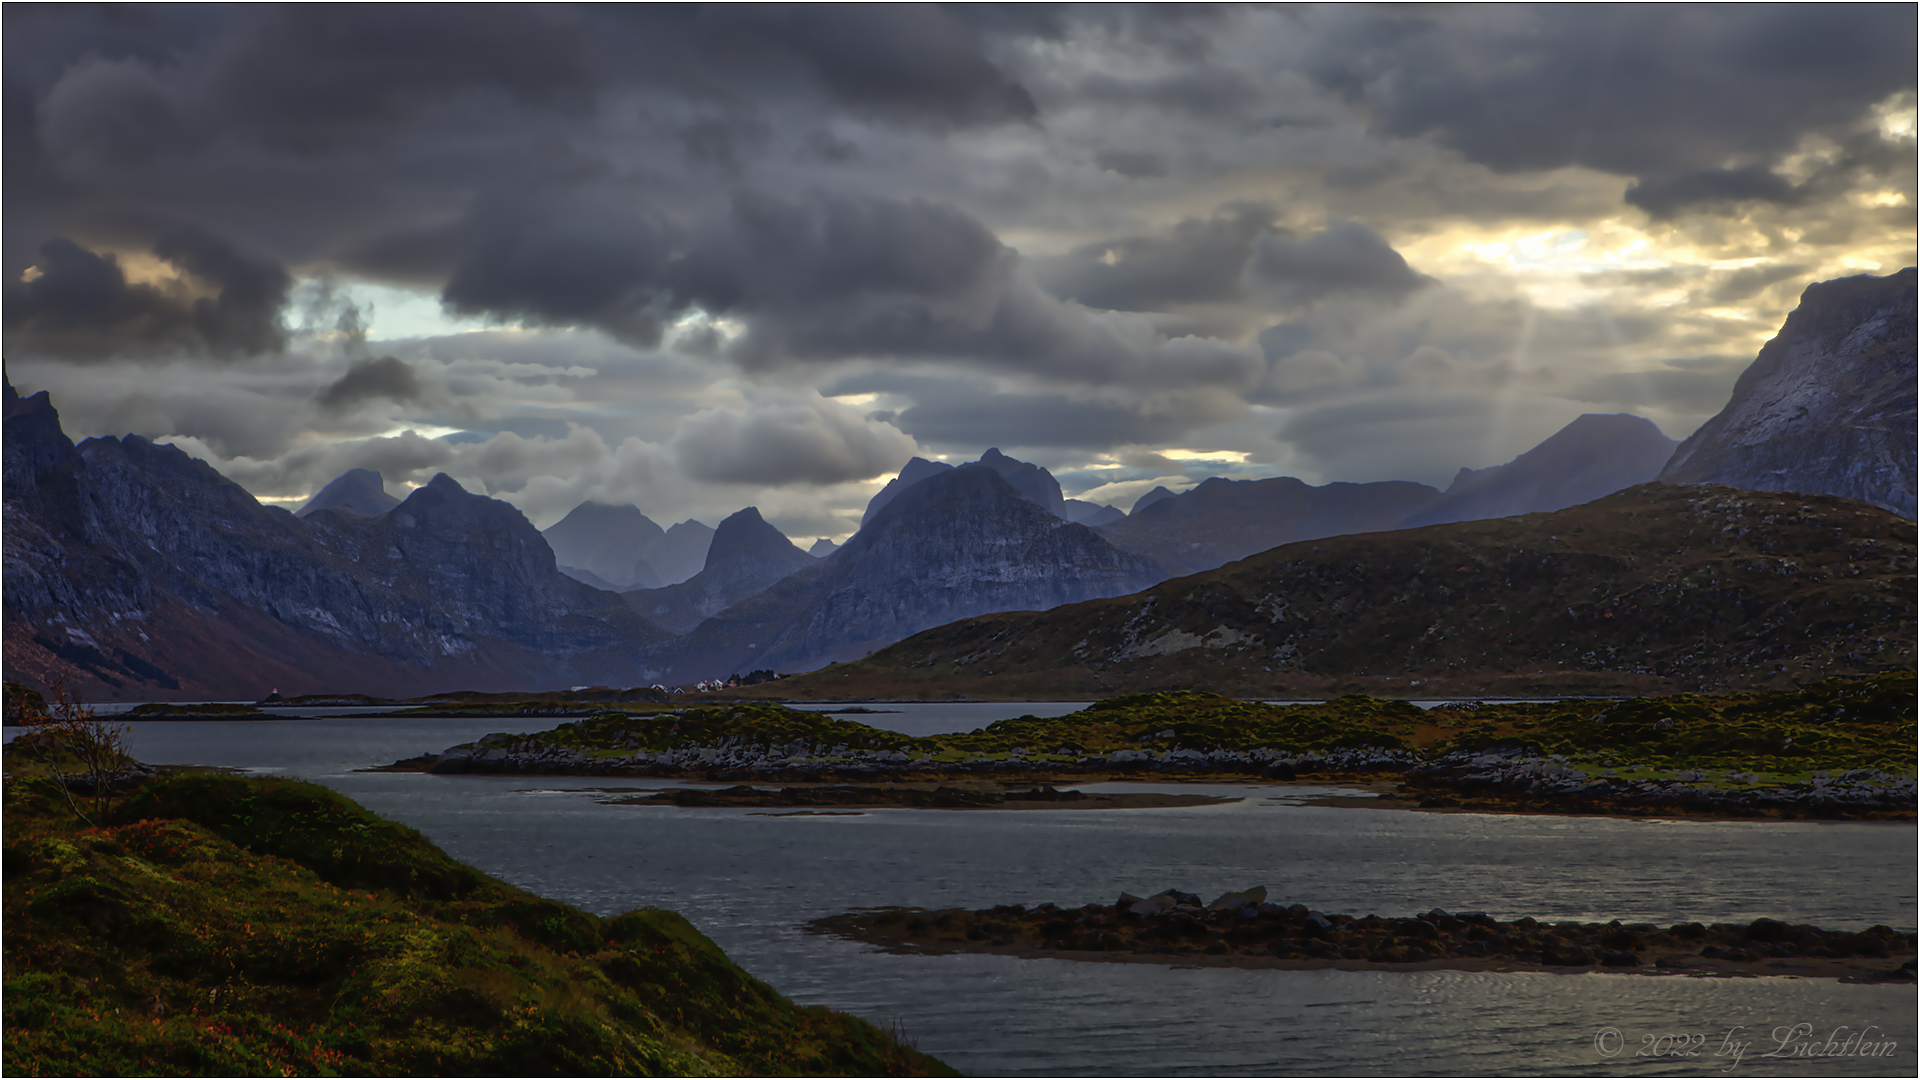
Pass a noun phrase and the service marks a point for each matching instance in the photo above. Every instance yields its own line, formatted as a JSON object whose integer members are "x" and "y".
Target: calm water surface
{"x": 749, "y": 880}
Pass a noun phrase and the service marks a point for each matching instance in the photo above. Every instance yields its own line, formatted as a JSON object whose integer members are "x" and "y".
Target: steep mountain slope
{"x": 606, "y": 542}
{"x": 1222, "y": 520}
{"x": 960, "y": 543}
{"x": 1656, "y": 588}
{"x": 1828, "y": 405}
{"x": 357, "y": 491}
{"x": 746, "y": 556}
{"x": 134, "y": 572}
{"x": 1593, "y": 456}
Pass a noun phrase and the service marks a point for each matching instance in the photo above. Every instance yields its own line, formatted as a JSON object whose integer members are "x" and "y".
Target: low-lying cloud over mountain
{"x": 694, "y": 259}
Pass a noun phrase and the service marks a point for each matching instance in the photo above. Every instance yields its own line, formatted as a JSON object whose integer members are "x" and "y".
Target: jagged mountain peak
{"x": 357, "y": 491}
{"x": 746, "y": 535}
{"x": 1028, "y": 480}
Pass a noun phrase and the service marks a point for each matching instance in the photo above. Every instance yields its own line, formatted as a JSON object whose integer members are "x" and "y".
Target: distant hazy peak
{"x": 1149, "y": 499}
{"x": 357, "y": 491}
{"x": 822, "y": 548}
{"x": 1595, "y": 455}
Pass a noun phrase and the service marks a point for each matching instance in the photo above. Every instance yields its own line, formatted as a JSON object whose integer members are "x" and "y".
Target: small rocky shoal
{"x": 925, "y": 797}
{"x": 1243, "y": 929}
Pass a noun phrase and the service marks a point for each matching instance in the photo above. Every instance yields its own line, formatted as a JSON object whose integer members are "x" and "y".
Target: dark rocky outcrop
{"x": 1593, "y": 456}
{"x": 356, "y": 491}
{"x": 961, "y": 543}
{"x": 746, "y": 556}
{"x": 1219, "y": 520}
{"x": 135, "y": 571}
{"x": 1827, "y": 407}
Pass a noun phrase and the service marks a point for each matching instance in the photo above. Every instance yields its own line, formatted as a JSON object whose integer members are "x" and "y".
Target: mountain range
{"x": 135, "y": 572}
{"x": 1659, "y": 588}
{"x": 108, "y": 542}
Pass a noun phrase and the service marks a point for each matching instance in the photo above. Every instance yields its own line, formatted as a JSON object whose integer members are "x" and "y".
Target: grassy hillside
{"x": 1658, "y": 588}
{"x": 221, "y": 926}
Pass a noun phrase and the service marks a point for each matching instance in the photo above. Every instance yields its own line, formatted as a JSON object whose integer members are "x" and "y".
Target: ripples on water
{"x": 748, "y": 881}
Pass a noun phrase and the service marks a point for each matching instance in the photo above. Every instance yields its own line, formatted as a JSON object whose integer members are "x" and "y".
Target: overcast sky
{"x": 695, "y": 259}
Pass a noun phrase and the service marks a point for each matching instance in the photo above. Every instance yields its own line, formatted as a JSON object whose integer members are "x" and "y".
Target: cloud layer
{"x": 761, "y": 255}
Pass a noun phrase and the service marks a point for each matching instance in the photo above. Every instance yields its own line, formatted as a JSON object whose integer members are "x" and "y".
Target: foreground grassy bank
{"x": 226, "y": 926}
{"x": 1836, "y": 748}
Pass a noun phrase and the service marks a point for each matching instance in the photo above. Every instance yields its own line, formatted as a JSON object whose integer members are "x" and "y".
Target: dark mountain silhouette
{"x": 1827, "y": 406}
{"x": 915, "y": 470}
{"x": 603, "y": 544}
{"x": 1092, "y": 515}
{"x": 1593, "y": 456}
{"x": 959, "y": 543}
{"x": 136, "y": 572}
{"x": 356, "y": 491}
{"x": 1149, "y": 499}
{"x": 1030, "y": 481}
{"x": 1219, "y": 520}
{"x": 822, "y": 548}
{"x": 746, "y": 556}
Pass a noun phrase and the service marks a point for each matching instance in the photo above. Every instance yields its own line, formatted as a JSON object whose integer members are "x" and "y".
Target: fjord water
{"x": 748, "y": 880}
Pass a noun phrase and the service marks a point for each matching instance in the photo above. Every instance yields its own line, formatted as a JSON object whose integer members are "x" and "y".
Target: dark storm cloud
{"x": 1653, "y": 91}
{"x": 898, "y": 61}
{"x": 387, "y": 377}
{"x": 1199, "y": 261}
{"x": 969, "y": 417}
{"x": 562, "y": 262}
{"x": 80, "y": 303}
{"x": 1346, "y": 257}
{"x": 1712, "y": 188}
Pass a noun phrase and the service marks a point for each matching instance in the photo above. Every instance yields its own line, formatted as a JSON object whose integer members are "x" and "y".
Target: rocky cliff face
{"x": 1827, "y": 407}
{"x": 960, "y": 543}
{"x": 356, "y": 491}
{"x": 745, "y": 557}
{"x": 134, "y": 571}
{"x": 1223, "y": 520}
{"x": 1593, "y": 456}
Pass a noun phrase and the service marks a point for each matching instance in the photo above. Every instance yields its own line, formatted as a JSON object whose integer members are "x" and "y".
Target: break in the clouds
{"x": 696, "y": 258}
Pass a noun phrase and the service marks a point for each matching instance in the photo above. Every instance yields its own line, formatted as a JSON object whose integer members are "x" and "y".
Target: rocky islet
{"x": 1244, "y": 929}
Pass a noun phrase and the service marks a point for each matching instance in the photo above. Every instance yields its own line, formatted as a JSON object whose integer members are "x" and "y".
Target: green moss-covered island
{"x": 1840, "y": 747}
{"x": 215, "y": 925}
